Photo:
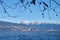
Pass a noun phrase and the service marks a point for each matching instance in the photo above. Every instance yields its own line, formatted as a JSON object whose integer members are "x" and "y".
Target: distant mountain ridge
{"x": 44, "y": 25}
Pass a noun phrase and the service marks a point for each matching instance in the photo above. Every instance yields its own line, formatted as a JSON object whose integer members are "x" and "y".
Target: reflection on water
{"x": 33, "y": 36}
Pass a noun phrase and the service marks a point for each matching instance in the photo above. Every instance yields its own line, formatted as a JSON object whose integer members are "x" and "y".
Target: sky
{"x": 35, "y": 16}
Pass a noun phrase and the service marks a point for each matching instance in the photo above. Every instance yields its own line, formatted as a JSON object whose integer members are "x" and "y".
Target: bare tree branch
{"x": 27, "y": 4}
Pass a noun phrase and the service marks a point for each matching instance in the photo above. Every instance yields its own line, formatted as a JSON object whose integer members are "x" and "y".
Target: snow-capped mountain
{"x": 29, "y": 24}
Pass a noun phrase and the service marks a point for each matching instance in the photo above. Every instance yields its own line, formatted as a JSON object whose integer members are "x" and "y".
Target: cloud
{"x": 28, "y": 22}
{"x": 36, "y": 22}
{"x": 25, "y": 22}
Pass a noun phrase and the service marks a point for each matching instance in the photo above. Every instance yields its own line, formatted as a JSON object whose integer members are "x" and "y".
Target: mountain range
{"x": 36, "y": 24}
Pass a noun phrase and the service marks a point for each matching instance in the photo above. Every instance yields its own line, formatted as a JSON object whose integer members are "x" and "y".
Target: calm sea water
{"x": 42, "y": 35}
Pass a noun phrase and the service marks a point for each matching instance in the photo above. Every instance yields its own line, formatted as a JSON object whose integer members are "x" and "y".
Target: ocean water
{"x": 41, "y": 35}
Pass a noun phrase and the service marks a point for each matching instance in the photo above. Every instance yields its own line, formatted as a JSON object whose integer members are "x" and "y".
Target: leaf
{"x": 40, "y": 3}
{"x": 53, "y": 9}
{"x": 22, "y": 1}
{"x": 45, "y": 4}
{"x": 56, "y": 14}
{"x": 42, "y": 13}
{"x": 30, "y": 11}
{"x": 44, "y": 9}
{"x": 33, "y": 2}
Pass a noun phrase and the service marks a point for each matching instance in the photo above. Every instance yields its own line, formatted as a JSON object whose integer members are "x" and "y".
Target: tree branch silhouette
{"x": 26, "y": 4}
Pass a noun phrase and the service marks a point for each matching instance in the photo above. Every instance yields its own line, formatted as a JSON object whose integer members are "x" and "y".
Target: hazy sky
{"x": 26, "y": 15}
